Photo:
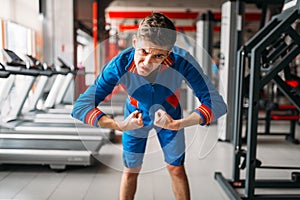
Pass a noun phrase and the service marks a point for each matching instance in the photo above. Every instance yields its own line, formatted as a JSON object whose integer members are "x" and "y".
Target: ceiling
{"x": 192, "y": 5}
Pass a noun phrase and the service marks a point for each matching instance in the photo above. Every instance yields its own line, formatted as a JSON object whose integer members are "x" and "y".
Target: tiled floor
{"x": 101, "y": 182}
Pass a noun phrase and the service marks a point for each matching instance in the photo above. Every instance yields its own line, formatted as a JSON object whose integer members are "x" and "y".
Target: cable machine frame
{"x": 253, "y": 50}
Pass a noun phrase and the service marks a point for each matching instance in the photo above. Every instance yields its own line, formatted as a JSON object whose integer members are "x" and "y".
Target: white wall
{"x": 56, "y": 29}
{"x": 24, "y": 12}
{"x": 6, "y": 10}
{"x": 63, "y": 29}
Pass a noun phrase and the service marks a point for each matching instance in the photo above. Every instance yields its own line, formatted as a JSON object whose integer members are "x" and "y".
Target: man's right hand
{"x": 133, "y": 121}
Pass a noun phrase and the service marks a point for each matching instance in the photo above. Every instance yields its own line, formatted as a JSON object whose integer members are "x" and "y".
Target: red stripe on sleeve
{"x": 206, "y": 112}
{"x": 92, "y": 116}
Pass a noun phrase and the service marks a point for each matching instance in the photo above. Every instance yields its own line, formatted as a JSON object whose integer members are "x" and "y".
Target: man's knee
{"x": 177, "y": 171}
{"x": 132, "y": 171}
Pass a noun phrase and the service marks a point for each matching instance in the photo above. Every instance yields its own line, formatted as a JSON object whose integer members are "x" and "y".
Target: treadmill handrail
{"x": 3, "y": 72}
{"x": 22, "y": 71}
{"x": 49, "y": 137}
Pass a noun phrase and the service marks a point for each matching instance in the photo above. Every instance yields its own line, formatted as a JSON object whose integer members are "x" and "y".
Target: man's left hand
{"x": 164, "y": 120}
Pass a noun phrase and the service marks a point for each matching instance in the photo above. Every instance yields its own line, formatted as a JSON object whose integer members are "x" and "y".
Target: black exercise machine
{"x": 265, "y": 66}
{"x": 278, "y": 112}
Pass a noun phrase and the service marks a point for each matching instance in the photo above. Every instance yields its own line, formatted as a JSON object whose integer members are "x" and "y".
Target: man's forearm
{"x": 107, "y": 122}
{"x": 133, "y": 121}
{"x": 191, "y": 120}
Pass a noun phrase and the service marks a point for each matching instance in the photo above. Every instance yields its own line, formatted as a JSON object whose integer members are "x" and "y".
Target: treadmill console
{"x": 12, "y": 58}
{"x": 35, "y": 63}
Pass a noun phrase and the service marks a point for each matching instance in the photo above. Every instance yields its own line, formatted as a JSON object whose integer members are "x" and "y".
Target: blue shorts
{"x": 134, "y": 142}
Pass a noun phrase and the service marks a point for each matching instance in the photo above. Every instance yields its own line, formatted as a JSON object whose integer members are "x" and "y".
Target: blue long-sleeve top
{"x": 178, "y": 66}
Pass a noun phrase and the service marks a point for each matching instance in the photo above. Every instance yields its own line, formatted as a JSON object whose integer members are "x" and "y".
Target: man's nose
{"x": 147, "y": 59}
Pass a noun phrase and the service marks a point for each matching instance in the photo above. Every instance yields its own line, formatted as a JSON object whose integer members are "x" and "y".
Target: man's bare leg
{"x": 180, "y": 183}
{"x": 129, "y": 183}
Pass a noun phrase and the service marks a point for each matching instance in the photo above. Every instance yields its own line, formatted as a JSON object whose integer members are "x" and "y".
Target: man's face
{"x": 148, "y": 56}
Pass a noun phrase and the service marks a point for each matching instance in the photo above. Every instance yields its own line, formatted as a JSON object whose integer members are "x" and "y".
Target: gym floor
{"x": 204, "y": 157}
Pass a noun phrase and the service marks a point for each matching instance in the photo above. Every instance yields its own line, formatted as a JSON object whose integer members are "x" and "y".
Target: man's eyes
{"x": 159, "y": 56}
{"x": 145, "y": 53}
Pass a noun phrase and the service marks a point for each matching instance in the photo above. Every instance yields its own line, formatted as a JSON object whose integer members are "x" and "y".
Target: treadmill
{"x": 56, "y": 95}
{"x": 52, "y": 122}
{"x": 56, "y": 149}
{"x": 58, "y": 75}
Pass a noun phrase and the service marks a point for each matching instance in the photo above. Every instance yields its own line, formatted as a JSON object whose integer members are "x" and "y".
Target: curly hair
{"x": 158, "y": 29}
